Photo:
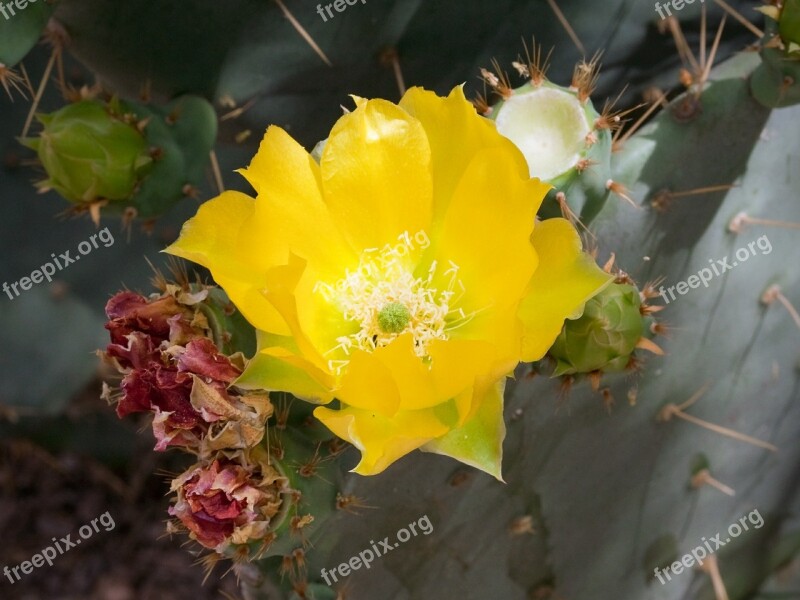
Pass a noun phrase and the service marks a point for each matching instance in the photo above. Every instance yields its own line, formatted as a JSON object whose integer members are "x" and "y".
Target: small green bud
{"x": 789, "y": 24}
{"x": 90, "y": 153}
{"x": 393, "y": 317}
{"x": 605, "y": 337}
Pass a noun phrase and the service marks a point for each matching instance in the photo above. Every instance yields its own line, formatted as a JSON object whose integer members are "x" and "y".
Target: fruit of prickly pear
{"x": 566, "y": 142}
{"x": 133, "y": 159}
{"x": 775, "y": 82}
{"x": 91, "y": 151}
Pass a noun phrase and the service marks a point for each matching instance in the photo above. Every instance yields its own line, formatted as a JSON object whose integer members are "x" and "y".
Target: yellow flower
{"x": 402, "y": 275}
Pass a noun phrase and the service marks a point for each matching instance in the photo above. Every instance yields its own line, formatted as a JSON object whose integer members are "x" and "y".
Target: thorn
{"x": 650, "y": 289}
{"x": 739, "y": 17}
{"x": 585, "y": 76}
{"x": 658, "y": 328}
{"x": 481, "y": 105}
{"x": 703, "y": 33}
{"x": 128, "y": 216}
{"x": 663, "y": 198}
{"x": 236, "y": 112}
{"x": 685, "y": 78}
{"x": 10, "y": 79}
{"x": 633, "y": 394}
{"x": 216, "y": 171}
{"x": 566, "y": 387}
{"x": 711, "y": 566}
{"x": 649, "y": 345}
{"x": 142, "y": 125}
{"x": 621, "y": 191}
{"x": 738, "y": 223}
{"x": 704, "y": 477}
{"x": 609, "y": 263}
{"x": 521, "y": 69}
{"x": 287, "y": 567}
{"x": 570, "y": 31}
{"x": 27, "y": 79}
{"x": 611, "y": 120}
{"x": 490, "y": 78}
{"x": 296, "y": 524}
{"x": 569, "y": 214}
{"x": 504, "y": 84}
{"x": 707, "y": 66}
{"x": 773, "y": 293}
{"x": 243, "y": 136}
{"x": 350, "y": 503}
{"x": 674, "y": 410}
{"x": 303, "y": 33}
{"x": 536, "y": 66}
{"x": 684, "y": 51}
{"x": 227, "y": 101}
{"x": 584, "y": 164}
{"x": 617, "y": 142}
{"x": 36, "y": 99}
{"x": 94, "y": 211}
{"x": 595, "y": 378}
{"x": 390, "y": 58}
{"x": 521, "y": 526}
{"x": 608, "y": 399}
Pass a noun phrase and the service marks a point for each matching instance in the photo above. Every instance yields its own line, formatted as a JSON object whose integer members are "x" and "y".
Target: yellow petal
{"x": 381, "y": 440}
{"x": 565, "y": 279}
{"x": 280, "y": 284}
{"x": 277, "y": 369}
{"x": 456, "y": 134}
{"x": 485, "y": 245}
{"x": 376, "y": 174}
{"x": 290, "y": 215}
{"x": 211, "y": 238}
{"x": 393, "y": 378}
{"x": 368, "y": 384}
{"x": 479, "y": 442}
{"x": 460, "y": 365}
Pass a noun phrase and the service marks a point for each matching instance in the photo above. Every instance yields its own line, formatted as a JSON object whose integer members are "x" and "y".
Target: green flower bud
{"x": 789, "y": 25}
{"x": 605, "y": 337}
{"x": 90, "y": 153}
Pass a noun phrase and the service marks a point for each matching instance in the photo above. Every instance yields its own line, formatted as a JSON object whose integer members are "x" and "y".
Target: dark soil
{"x": 45, "y": 495}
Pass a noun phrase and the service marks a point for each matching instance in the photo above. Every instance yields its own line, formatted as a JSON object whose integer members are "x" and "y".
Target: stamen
{"x": 385, "y": 299}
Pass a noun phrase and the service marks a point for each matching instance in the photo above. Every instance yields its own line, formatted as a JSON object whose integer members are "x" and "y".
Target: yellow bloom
{"x": 402, "y": 275}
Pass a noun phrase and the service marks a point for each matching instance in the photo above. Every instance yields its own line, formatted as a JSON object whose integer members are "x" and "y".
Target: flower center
{"x": 393, "y": 317}
{"x": 385, "y": 299}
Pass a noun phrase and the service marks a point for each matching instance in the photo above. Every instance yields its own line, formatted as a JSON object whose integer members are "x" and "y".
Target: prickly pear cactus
{"x": 664, "y": 416}
{"x": 559, "y": 132}
{"x": 124, "y": 157}
{"x": 637, "y": 465}
{"x": 776, "y": 82}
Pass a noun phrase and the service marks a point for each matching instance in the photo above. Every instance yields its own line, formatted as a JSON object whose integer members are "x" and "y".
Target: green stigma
{"x": 393, "y": 317}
